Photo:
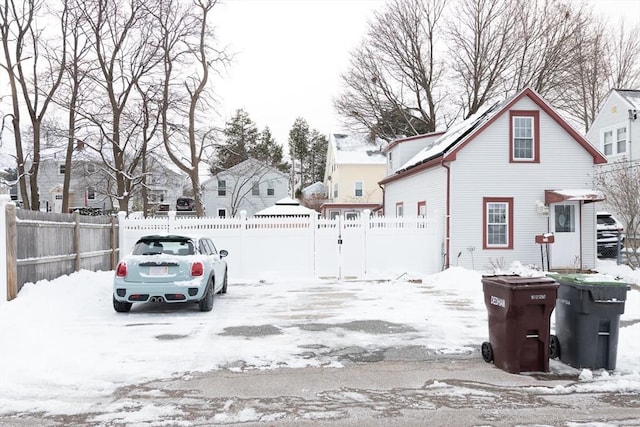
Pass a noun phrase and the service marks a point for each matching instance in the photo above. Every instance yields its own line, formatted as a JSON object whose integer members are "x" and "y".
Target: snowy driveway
{"x": 64, "y": 347}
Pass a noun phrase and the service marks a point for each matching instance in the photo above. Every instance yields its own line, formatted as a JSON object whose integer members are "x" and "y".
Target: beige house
{"x": 354, "y": 166}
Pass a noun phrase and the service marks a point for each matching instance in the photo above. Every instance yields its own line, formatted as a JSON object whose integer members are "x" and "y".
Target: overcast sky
{"x": 290, "y": 54}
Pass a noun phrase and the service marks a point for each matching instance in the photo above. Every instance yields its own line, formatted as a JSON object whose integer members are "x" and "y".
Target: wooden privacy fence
{"x": 307, "y": 246}
{"x": 44, "y": 245}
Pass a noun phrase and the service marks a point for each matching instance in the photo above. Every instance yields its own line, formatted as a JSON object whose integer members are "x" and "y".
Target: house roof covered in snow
{"x": 286, "y": 207}
{"x": 357, "y": 149}
{"x": 631, "y": 96}
{"x": 460, "y": 134}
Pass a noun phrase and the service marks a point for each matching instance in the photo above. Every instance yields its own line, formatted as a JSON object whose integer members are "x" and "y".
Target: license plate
{"x": 158, "y": 271}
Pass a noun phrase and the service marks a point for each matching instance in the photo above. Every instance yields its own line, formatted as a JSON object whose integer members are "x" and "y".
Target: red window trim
{"x": 509, "y": 202}
{"x": 420, "y": 204}
{"x": 399, "y": 204}
{"x": 536, "y": 134}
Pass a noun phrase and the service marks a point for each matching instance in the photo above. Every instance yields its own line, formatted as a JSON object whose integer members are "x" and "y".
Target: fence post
{"x": 122, "y": 216}
{"x": 76, "y": 239}
{"x": 365, "y": 217}
{"x": 114, "y": 260}
{"x": 243, "y": 236}
{"x": 171, "y": 218}
{"x": 4, "y": 200}
{"x": 11, "y": 248}
{"x": 313, "y": 224}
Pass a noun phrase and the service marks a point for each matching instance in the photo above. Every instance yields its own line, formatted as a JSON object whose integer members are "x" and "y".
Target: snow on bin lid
{"x": 601, "y": 287}
{"x": 513, "y": 280}
{"x": 584, "y": 279}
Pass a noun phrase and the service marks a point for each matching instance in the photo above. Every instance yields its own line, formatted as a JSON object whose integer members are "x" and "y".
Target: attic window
{"x": 524, "y": 136}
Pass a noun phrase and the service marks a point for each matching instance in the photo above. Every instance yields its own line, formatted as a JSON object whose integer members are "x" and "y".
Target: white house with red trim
{"x": 509, "y": 173}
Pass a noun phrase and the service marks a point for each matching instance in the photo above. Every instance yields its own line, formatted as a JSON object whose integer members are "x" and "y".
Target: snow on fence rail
{"x": 306, "y": 246}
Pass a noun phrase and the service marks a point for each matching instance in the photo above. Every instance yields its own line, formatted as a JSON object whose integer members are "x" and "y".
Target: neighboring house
{"x": 514, "y": 171}
{"x": 248, "y": 186}
{"x": 354, "y": 166}
{"x": 400, "y": 151}
{"x": 90, "y": 184}
{"x": 616, "y": 129}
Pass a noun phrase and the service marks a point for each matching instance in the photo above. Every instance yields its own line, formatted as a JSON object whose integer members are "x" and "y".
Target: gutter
{"x": 447, "y": 215}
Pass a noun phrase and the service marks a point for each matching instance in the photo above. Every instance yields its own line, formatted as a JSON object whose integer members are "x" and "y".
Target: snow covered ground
{"x": 64, "y": 347}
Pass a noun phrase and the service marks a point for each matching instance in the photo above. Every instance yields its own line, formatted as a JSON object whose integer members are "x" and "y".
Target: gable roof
{"x": 448, "y": 145}
{"x": 249, "y": 164}
{"x": 356, "y": 149}
{"x": 632, "y": 97}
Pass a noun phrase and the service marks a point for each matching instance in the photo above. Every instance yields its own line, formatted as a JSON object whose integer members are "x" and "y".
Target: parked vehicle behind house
{"x": 610, "y": 230}
{"x": 170, "y": 269}
{"x": 185, "y": 204}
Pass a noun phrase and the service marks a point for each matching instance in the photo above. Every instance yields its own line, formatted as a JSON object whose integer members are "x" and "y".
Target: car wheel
{"x": 487, "y": 352}
{"x": 121, "y": 307}
{"x": 206, "y": 303}
{"x": 554, "y": 347}
{"x": 224, "y": 284}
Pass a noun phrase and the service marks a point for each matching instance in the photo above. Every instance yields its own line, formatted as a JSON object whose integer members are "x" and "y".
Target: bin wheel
{"x": 487, "y": 352}
{"x": 554, "y": 347}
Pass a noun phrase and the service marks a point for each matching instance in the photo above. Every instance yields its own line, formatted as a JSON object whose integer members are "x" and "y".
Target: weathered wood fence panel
{"x": 45, "y": 245}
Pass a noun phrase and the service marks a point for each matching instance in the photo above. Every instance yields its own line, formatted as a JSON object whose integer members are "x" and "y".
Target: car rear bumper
{"x": 167, "y": 292}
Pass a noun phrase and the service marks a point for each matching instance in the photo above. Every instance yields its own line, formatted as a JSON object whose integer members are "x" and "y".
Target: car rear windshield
{"x": 607, "y": 220}
{"x": 169, "y": 247}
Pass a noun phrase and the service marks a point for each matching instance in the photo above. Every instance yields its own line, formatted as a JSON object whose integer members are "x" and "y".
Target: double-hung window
{"x": 271, "y": 191}
{"x": 358, "y": 189}
{"x": 498, "y": 223}
{"x": 525, "y": 138}
{"x": 614, "y": 141}
{"x": 255, "y": 190}
{"x": 399, "y": 209}
{"x": 222, "y": 187}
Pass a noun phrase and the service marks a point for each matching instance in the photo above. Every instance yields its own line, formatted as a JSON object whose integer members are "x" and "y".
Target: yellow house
{"x": 355, "y": 164}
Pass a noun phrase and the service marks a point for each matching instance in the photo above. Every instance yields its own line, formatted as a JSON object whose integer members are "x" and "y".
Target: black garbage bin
{"x": 519, "y": 311}
{"x": 588, "y": 320}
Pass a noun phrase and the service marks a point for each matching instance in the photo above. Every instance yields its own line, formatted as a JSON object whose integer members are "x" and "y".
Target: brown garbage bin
{"x": 519, "y": 311}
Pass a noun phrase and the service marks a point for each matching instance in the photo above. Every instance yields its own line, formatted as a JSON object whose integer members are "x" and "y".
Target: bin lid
{"x": 602, "y": 288}
{"x": 514, "y": 280}
{"x": 582, "y": 279}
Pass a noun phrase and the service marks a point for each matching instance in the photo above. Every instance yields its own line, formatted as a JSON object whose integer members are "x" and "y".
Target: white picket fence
{"x": 307, "y": 246}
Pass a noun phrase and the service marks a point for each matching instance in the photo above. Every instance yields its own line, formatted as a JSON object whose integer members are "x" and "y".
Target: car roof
{"x": 166, "y": 237}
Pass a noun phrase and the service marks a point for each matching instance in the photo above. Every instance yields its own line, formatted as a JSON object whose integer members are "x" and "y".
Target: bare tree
{"x": 186, "y": 36}
{"x": 620, "y": 183}
{"x": 243, "y": 177}
{"x": 126, "y": 49}
{"x": 71, "y": 94}
{"x": 394, "y": 79}
{"x": 482, "y": 48}
{"x": 28, "y": 77}
{"x": 547, "y": 36}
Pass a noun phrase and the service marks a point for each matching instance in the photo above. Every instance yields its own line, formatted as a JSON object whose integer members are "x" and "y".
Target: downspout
{"x": 383, "y": 208}
{"x": 447, "y": 213}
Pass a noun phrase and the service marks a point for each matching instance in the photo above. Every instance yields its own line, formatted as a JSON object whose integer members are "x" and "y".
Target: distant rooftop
{"x": 356, "y": 149}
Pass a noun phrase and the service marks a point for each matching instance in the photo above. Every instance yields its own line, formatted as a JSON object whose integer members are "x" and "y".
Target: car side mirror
{"x": 223, "y": 253}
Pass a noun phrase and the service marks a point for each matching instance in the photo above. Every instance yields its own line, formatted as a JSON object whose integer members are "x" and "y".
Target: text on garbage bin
{"x": 500, "y": 302}
{"x": 538, "y": 296}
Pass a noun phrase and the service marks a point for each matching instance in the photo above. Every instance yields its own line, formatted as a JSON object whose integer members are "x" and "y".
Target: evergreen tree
{"x": 269, "y": 151}
{"x": 308, "y": 150}
{"x": 317, "y": 156}
{"x": 299, "y": 141}
{"x": 241, "y": 137}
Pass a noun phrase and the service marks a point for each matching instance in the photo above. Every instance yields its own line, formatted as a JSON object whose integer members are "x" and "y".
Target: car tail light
{"x": 197, "y": 269}
{"x": 121, "y": 270}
